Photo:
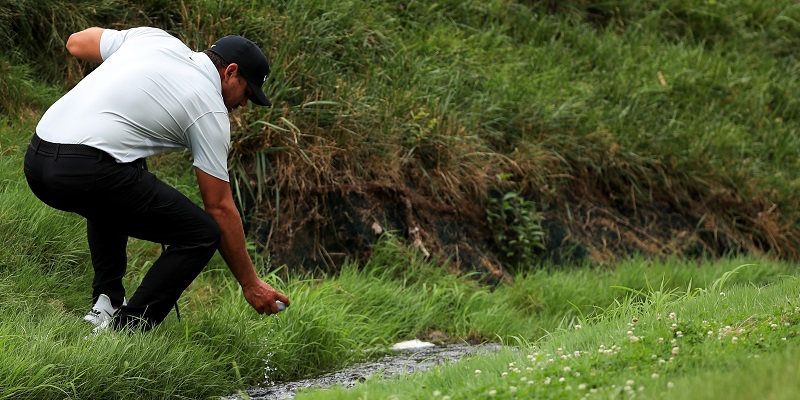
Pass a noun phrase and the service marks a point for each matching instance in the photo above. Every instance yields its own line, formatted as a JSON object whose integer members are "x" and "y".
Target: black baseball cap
{"x": 252, "y": 62}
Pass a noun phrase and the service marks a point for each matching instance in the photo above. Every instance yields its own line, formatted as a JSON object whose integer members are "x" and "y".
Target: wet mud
{"x": 400, "y": 362}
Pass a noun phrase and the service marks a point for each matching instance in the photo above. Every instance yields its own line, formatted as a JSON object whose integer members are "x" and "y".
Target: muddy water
{"x": 406, "y": 361}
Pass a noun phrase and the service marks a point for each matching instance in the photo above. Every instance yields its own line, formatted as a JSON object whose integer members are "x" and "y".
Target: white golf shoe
{"x": 102, "y": 311}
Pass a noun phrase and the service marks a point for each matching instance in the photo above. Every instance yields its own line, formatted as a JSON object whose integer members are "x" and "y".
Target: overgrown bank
{"x": 608, "y": 128}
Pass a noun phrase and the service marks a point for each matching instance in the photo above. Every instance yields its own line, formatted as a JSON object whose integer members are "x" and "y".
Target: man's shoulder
{"x": 145, "y": 34}
{"x": 145, "y": 31}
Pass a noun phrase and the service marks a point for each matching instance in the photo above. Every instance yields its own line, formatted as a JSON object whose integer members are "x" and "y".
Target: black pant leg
{"x": 108, "y": 246}
{"x": 192, "y": 237}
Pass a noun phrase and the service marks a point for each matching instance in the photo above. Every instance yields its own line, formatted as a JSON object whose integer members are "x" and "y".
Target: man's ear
{"x": 231, "y": 70}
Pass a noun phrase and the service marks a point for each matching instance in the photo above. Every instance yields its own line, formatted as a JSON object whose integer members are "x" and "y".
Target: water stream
{"x": 416, "y": 357}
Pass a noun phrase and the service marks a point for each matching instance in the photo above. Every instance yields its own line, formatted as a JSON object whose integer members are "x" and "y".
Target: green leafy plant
{"x": 516, "y": 227}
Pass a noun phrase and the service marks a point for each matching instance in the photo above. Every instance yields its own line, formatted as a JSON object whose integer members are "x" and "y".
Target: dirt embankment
{"x": 321, "y": 204}
{"x": 316, "y": 212}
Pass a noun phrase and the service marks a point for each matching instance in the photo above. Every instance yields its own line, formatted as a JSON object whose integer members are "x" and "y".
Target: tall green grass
{"x": 655, "y": 94}
{"x": 663, "y": 78}
{"x": 221, "y": 346}
{"x": 739, "y": 344}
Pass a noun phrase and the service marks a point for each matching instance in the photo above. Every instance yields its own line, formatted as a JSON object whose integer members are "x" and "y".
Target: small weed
{"x": 517, "y": 228}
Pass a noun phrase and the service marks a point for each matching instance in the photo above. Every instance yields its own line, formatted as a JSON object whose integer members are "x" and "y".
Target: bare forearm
{"x": 232, "y": 245}
{"x": 219, "y": 204}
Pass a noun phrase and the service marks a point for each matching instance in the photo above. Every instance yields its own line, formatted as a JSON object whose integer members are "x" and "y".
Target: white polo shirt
{"x": 152, "y": 94}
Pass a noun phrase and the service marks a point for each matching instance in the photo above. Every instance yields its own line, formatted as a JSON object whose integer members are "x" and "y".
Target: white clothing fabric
{"x": 152, "y": 94}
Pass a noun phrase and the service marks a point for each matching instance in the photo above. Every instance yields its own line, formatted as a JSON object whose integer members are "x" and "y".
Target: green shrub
{"x": 516, "y": 227}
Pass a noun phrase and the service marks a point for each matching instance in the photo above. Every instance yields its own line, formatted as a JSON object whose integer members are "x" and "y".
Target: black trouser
{"x": 121, "y": 201}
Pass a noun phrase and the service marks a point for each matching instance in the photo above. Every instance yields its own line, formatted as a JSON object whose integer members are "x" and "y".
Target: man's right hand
{"x": 262, "y": 297}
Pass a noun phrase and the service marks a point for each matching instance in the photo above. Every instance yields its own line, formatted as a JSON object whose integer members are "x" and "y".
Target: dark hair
{"x": 218, "y": 61}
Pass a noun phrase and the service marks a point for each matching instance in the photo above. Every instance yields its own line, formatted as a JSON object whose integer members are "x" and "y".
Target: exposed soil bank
{"x": 403, "y": 362}
{"x": 588, "y": 219}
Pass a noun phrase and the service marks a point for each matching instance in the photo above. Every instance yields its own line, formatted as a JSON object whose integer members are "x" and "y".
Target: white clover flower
{"x": 661, "y": 340}
{"x": 672, "y": 315}
{"x": 675, "y": 350}
{"x": 654, "y": 376}
{"x": 734, "y": 340}
{"x": 577, "y": 353}
{"x": 477, "y": 372}
{"x": 634, "y": 339}
{"x": 562, "y": 379}
{"x": 670, "y": 385}
{"x": 578, "y": 327}
{"x": 523, "y": 379}
{"x": 567, "y": 369}
{"x": 774, "y": 326}
{"x": 492, "y": 393}
{"x": 679, "y": 334}
{"x": 582, "y": 386}
{"x": 512, "y": 389}
{"x": 722, "y": 294}
{"x": 505, "y": 374}
{"x": 547, "y": 380}
{"x": 436, "y": 393}
{"x": 629, "y": 382}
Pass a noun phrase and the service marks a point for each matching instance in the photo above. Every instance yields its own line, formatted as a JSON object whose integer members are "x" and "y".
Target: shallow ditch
{"x": 410, "y": 360}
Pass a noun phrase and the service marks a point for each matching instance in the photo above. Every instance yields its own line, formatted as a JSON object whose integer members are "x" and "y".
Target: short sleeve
{"x": 209, "y": 142}
{"x": 111, "y": 39}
